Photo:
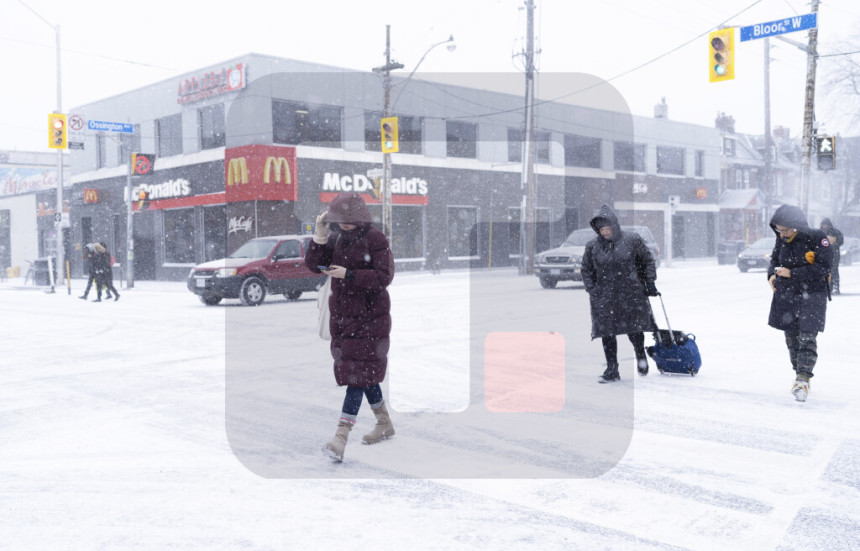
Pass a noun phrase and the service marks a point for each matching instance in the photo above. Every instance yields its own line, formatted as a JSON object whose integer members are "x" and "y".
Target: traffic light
{"x": 142, "y": 199}
{"x": 825, "y": 151}
{"x": 390, "y": 140}
{"x": 721, "y": 61}
{"x": 57, "y": 131}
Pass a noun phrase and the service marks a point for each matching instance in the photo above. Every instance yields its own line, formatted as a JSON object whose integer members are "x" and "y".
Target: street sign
{"x": 76, "y": 145}
{"x": 111, "y": 126}
{"x": 76, "y": 122}
{"x": 780, "y": 26}
{"x": 375, "y": 173}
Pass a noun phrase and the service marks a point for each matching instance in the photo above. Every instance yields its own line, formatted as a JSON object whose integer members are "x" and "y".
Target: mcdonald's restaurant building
{"x": 259, "y": 145}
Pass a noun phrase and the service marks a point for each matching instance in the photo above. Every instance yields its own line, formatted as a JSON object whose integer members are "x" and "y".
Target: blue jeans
{"x": 354, "y": 394}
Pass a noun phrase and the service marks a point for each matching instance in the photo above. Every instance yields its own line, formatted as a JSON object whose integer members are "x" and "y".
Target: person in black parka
{"x": 836, "y": 241}
{"x": 619, "y": 273}
{"x": 797, "y": 274}
{"x": 103, "y": 269}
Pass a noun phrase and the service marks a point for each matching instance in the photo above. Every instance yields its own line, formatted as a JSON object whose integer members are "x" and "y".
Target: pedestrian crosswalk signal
{"x": 390, "y": 141}
{"x": 57, "y": 131}
{"x": 825, "y": 152}
{"x": 721, "y": 59}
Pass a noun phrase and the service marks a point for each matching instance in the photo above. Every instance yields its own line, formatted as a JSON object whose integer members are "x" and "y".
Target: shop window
{"x": 462, "y": 232}
{"x": 515, "y": 146}
{"x": 214, "y": 232}
{"x": 462, "y": 139}
{"x": 101, "y": 151}
{"x": 670, "y": 160}
{"x": 168, "y": 136}
{"x": 5, "y": 239}
{"x": 407, "y": 229}
{"x": 212, "y": 126}
{"x": 629, "y": 156}
{"x": 179, "y": 236}
{"x": 700, "y": 163}
{"x": 300, "y": 123}
{"x": 581, "y": 151}
{"x": 409, "y": 130}
{"x": 514, "y": 230}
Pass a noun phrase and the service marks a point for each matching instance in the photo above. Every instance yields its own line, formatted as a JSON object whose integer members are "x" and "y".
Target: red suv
{"x": 274, "y": 264}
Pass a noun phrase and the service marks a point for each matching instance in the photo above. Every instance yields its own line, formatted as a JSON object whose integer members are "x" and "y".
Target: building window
{"x": 212, "y": 126}
{"x": 728, "y": 147}
{"x": 462, "y": 138}
{"x": 581, "y": 151}
{"x": 409, "y": 131}
{"x": 168, "y": 136}
{"x": 128, "y": 144}
{"x": 5, "y": 239}
{"x": 629, "y": 157}
{"x": 462, "y": 232}
{"x": 214, "y": 232}
{"x": 700, "y": 163}
{"x": 300, "y": 123}
{"x": 515, "y": 146}
{"x": 407, "y": 228}
{"x": 670, "y": 160}
{"x": 101, "y": 151}
{"x": 179, "y": 236}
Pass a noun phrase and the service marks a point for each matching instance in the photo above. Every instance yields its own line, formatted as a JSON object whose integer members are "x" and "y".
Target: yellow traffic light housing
{"x": 57, "y": 131}
{"x": 721, "y": 58}
{"x": 390, "y": 139}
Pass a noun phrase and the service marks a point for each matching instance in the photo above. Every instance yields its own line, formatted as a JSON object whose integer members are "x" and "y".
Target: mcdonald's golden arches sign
{"x": 262, "y": 172}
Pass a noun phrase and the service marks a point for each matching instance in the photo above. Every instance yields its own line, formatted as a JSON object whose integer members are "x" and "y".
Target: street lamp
{"x": 60, "y": 251}
{"x": 385, "y": 70}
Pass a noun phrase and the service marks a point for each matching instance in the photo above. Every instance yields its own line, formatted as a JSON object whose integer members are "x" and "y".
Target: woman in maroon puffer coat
{"x": 361, "y": 267}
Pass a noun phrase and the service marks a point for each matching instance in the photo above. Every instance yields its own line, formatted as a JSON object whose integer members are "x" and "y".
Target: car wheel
{"x": 744, "y": 269}
{"x": 293, "y": 295}
{"x": 548, "y": 282}
{"x": 209, "y": 300}
{"x": 253, "y": 291}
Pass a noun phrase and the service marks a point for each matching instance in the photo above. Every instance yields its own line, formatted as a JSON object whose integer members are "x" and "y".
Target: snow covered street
{"x": 156, "y": 422}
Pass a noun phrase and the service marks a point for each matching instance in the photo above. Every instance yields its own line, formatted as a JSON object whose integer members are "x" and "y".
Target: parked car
{"x": 565, "y": 262}
{"x": 756, "y": 255}
{"x": 261, "y": 266}
{"x": 849, "y": 252}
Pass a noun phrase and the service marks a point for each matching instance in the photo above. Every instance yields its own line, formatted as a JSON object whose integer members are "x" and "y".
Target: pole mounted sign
{"x": 111, "y": 126}
{"x": 780, "y": 26}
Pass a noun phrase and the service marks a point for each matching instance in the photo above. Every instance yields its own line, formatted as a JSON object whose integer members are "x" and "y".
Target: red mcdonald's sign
{"x": 91, "y": 195}
{"x": 262, "y": 172}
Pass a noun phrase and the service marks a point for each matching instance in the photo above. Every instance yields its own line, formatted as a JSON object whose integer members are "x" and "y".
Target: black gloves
{"x": 651, "y": 289}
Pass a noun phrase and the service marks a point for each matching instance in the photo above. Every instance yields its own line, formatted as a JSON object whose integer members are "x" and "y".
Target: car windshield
{"x": 255, "y": 248}
{"x": 579, "y": 238}
{"x": 763, "y": 243}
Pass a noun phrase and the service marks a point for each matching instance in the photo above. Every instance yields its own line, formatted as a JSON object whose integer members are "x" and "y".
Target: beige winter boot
{"x": 337, "y": 445}
{"x": 383, "y": 429}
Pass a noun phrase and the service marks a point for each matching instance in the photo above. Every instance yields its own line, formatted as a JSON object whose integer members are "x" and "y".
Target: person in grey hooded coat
{"x": 619, "y": 274}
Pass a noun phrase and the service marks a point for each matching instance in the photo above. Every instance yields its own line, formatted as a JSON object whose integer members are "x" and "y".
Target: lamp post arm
{"x": 408, "y": 78}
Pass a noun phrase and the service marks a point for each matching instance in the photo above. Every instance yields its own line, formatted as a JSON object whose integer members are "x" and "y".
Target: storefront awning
{"x": 744, "y": 199}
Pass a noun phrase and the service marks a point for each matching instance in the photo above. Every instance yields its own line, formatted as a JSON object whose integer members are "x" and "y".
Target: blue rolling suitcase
{"x": 675, "y": 351}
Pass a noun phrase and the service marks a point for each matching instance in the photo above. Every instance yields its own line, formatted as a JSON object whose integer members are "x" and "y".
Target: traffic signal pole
{"x": 386, "y": 112}
{"x": 808, "y": 113}
{"x": 527, "y": 218}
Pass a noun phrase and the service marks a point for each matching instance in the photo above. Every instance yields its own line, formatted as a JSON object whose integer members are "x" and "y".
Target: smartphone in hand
{"x": 324, "y": 268}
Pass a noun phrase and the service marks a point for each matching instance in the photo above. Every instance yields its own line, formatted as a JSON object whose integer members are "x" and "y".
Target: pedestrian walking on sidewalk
{"x": 359, "y": 260}
{"x": 104, "y": 273}
{"x": 619, "y": 274}
{"x": 799, "y": 265}
{"x": 836, "y": 241}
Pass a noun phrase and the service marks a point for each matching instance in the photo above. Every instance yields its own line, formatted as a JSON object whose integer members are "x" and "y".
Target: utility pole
{"x": 527, "y": 225}
{"x": 768, "y": 142}
{"x": 386, "y": 112}
{"x": 808, "y": 113}
{"x": 129, "y": 229}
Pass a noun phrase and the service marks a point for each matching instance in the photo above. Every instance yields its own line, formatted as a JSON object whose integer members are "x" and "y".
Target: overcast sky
{"x": 109, "y": 47}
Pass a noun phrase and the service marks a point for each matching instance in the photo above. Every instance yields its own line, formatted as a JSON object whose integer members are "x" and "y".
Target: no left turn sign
{"x": 76, "y": 122}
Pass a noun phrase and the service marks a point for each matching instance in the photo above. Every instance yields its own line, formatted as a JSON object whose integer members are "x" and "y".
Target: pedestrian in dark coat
{"x": 619, "y": 274}
{"x": 361, "y": 266}
{"x": 836, "y": 241}
{"x": 103, "y": 272}
{"x": 89, "y": 254}
{"x": 797, "y": 274}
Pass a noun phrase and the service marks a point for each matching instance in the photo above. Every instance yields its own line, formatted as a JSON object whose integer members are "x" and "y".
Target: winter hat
{"x": 348, "y": 208}
{"x": 826, "y": 222}
{"x": 600, "y": 222}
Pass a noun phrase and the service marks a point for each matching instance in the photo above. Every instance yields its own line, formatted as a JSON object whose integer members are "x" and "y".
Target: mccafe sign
{"x": 260, "y": 172}
{"x": 211, "y": 83}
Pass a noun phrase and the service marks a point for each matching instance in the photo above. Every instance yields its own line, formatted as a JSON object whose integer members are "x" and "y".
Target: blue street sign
{"x": 780, "y": 26}
{"x": 111, "y": 126}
